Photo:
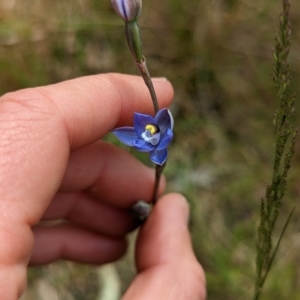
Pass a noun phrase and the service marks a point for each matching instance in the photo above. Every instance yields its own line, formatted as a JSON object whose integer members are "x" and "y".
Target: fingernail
{"x": 185, "y": 210}
{"x": 187, "y": 215}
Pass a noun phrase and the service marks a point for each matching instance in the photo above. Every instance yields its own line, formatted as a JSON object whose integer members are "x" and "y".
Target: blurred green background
{"x": 218, "y": 55}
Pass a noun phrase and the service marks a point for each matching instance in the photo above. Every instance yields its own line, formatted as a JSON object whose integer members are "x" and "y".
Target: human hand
{"x": 53, "y": 166}
{"x": 167, "y": 267}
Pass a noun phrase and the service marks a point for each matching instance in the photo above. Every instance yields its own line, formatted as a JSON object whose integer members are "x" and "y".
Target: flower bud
{"x": 128, "y": 10}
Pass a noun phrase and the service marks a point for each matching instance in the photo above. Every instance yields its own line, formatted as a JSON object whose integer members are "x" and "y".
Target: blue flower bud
{"x": 128, "y": 10}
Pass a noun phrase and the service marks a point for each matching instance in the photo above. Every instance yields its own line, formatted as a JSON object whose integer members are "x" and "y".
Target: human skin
{"x": 53, "y": 166}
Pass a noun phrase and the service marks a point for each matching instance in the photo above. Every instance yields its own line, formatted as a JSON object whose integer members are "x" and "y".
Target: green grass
{"x": 219, "y": 57}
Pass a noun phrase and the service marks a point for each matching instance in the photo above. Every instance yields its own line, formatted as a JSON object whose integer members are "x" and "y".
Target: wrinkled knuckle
{"x": 26, "y": 112}
{"x": 33, "y": 100}
{"x": 113, "y": 83}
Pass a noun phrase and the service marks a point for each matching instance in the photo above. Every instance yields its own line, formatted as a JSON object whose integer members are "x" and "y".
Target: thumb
{"x": 165, "y": 260}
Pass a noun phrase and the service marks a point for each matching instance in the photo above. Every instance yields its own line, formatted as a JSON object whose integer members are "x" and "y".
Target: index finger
{"x": 167, "y": 266}
{"x": 40, "y": 126}
{"x": 91, "y": 106}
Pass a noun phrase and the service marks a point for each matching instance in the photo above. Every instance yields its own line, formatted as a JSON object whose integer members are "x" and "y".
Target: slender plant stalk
{"x": 258, "y": 291}
{"x": 129, "y": 11}
{"x": 147, "y": 79}
{"x": 135, "y": 45}
{"x": 285, "y": 140}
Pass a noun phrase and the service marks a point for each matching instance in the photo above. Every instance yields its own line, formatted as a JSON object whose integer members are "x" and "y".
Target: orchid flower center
{"x": 151, "y": 134}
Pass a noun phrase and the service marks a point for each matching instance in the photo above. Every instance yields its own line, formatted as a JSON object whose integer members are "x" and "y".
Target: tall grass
{"x": 285, "y": 139}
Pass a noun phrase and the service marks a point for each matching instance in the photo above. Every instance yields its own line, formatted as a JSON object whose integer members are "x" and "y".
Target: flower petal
{"x": 166, "y": 140}
{"x": 159, "y": 157}
{"x": 126, "y": 135}
{"x": 128, "y": 10}
{"x": 141, "y": 121}
{"x": 143, "y": 146}
{"x": 153, "y": 139}
{"x": 171, "y": 119}
{"x": 164, "y": 120}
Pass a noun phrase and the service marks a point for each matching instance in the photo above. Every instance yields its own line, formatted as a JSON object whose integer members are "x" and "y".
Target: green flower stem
{"x": 147, "y": 79}
{"x": 134, "y": 42}
{"x": 133, "y": 37}
{"x": 158, "y": 171}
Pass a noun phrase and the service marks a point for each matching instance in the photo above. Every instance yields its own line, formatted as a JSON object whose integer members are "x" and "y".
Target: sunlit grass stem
{"x": 285, "y": 140}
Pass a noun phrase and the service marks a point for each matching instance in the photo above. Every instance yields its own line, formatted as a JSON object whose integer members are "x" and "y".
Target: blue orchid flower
{"x": 149, "y": 134}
